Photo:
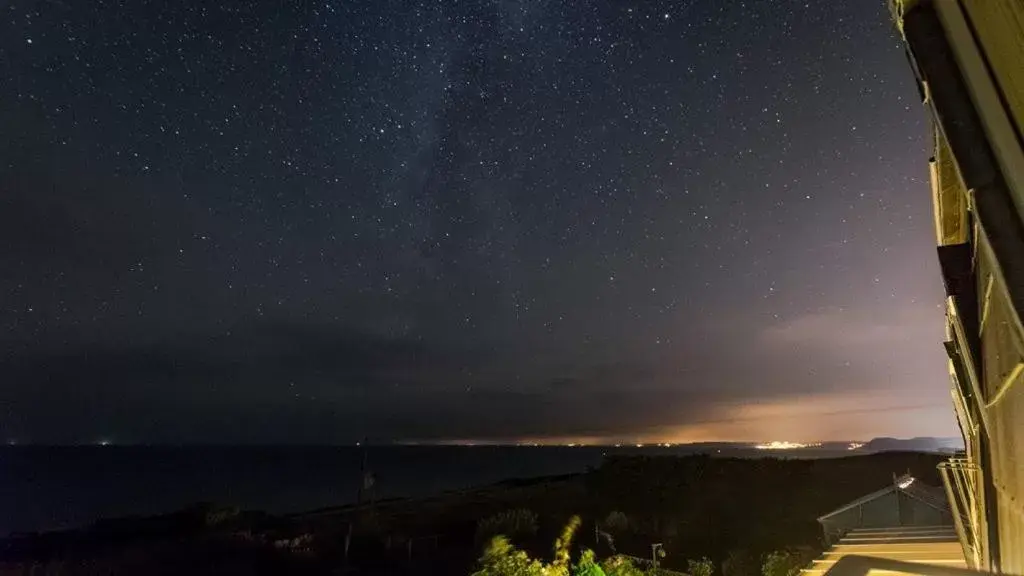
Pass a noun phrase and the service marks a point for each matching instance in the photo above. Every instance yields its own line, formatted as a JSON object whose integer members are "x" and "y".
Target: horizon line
{"x": 107, "y": 443}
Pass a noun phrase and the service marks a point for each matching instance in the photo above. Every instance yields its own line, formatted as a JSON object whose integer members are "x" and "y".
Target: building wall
{"x": 983, "y": 187}
{"x": 1003, "y": 398}
{"x": 1000, "y": 31}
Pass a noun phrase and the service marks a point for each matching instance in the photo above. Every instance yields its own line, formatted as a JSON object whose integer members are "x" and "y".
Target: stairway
{"x": 931, "y": 545}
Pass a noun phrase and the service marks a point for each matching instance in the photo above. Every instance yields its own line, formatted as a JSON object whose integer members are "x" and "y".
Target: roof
{"x": 929, "y": 545}
{"x": 906, "y": 484}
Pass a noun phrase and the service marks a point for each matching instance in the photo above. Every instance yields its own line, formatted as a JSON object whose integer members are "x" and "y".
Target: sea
{"x": 56, "y": 488}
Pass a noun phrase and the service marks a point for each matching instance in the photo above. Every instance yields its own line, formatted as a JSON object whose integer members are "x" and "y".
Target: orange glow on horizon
{"x": 803, "y": 420}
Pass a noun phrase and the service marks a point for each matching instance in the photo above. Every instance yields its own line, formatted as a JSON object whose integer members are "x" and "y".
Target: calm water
{"x": 51, "y": 488}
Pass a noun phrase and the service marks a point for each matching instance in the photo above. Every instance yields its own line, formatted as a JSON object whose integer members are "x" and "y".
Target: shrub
{"x": 616, "y": 521}
{"x": 621, "y": 566}
{"x": 702, "y": 567}
{"x": 587, "y": 566}
{"x": 780, "y": 563}
{"x": 500, "y": 558}
{"x": 739, "y": 563}
{"x": 510, "y": 523}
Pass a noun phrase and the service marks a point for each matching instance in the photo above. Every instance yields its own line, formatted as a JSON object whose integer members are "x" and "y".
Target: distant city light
{"x": 783, "y": 445}
{"x": 855, "y": 445}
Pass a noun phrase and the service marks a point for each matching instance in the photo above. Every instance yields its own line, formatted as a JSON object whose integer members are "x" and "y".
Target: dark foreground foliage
{"x": 734, "y": 512}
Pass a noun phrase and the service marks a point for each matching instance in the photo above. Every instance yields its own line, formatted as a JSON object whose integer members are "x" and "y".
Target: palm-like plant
{"x": 500, "y": 558}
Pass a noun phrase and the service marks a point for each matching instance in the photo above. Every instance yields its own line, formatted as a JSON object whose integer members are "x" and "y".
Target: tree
{"x": 702, "y": 567}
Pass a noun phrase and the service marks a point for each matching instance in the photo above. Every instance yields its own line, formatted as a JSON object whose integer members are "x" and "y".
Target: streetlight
{"x": 656, "y": 551}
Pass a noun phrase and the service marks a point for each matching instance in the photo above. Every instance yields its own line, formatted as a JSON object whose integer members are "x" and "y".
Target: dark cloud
{"x": 315, "y": 383}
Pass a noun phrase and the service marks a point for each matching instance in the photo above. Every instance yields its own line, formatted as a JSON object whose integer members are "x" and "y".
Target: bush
{"x": 587, "y": 566}
{"x": 616, "y": 521}
{"x": 511, "y": 523}
{"x": 739, "y": 563}
{"x": 502, "y": 559}
{"x": 781, "y": 563}
{"x": 621, "y": 566}
{"x": 702, "y": 567}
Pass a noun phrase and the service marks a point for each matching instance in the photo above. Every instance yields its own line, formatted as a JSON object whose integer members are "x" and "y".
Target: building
{"x": 968, "y": 56}
{"x": 905, "y": 503}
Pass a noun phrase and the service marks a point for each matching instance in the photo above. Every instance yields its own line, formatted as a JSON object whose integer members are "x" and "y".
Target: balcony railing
{"x": 960, "y": 476}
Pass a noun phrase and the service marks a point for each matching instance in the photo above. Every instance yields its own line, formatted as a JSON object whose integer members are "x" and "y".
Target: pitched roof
{"x": 906, "y": 484}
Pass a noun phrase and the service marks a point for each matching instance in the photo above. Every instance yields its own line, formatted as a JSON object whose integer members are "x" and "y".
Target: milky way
{"x": 298, "y": 222}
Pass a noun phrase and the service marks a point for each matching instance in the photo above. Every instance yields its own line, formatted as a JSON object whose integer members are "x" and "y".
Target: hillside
{"x": 721, "y": 508}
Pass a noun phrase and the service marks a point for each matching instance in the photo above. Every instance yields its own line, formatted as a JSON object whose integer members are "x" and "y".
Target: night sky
{"x": 484, "y": 219}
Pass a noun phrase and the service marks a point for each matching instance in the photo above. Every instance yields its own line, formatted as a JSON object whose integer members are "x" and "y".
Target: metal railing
{"x": 960, "y": 477}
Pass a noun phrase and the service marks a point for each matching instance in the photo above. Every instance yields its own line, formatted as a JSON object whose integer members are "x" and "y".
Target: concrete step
{"x": 818, "y": 572}
{"x": 904, "y": 528}
{"x": 953, "y": 553}
{"x": 898, "y": 539}
{"x": 896, "y": 547}
{"x": 869, "y": 533}
{"x": 923, "y": 560}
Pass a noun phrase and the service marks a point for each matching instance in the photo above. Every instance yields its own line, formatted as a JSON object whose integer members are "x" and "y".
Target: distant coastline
{"x": 884, "y": 443}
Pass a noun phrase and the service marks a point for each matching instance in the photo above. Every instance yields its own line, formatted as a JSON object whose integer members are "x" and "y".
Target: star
{"x": 361, "y": 202}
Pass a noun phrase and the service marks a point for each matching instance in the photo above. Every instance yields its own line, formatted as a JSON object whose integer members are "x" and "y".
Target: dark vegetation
{"x": 735, "y": 512}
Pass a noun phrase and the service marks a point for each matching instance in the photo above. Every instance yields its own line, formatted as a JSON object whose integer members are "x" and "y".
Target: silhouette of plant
{"x": 702, "y": 567}
{"x": 500, "y": 558}
{"x": 510, "y": 523}
{"x": 780, "y": 563}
